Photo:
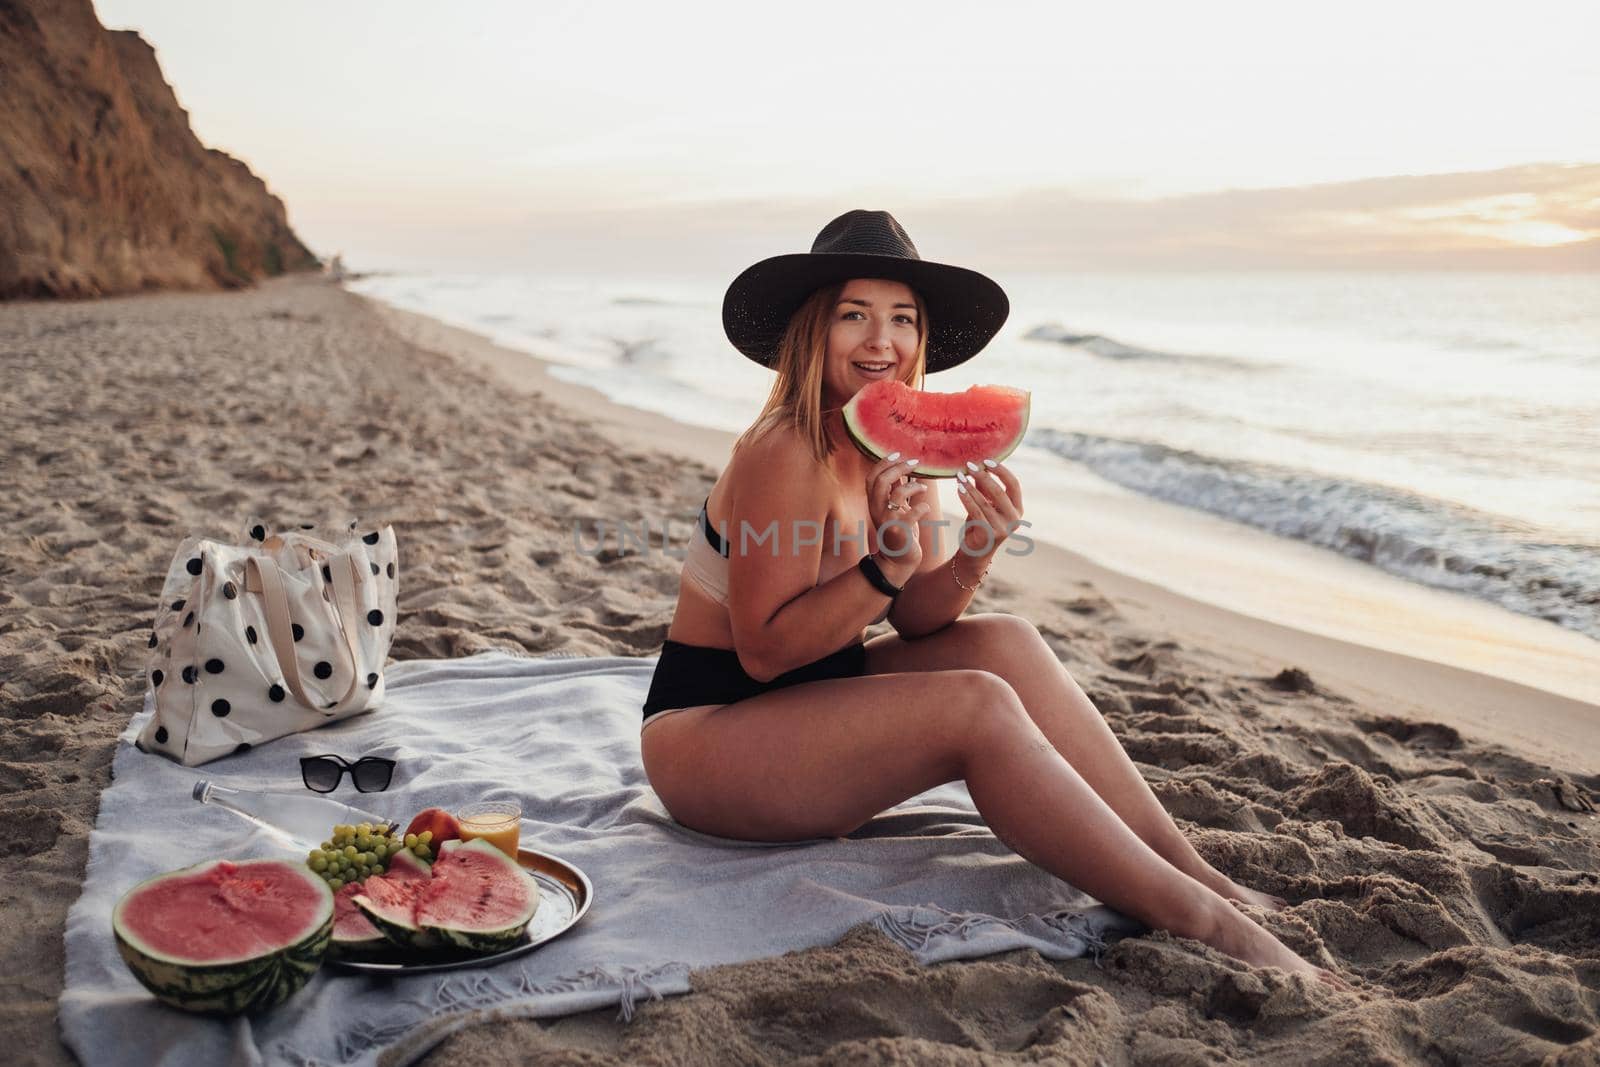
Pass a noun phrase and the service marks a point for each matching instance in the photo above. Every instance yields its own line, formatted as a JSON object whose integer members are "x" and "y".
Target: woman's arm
{"x": 777, "y": 526}
{"x": 932, "y": 599}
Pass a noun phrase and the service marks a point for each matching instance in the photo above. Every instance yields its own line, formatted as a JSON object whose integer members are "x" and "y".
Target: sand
{"x": 1439, "y": 847}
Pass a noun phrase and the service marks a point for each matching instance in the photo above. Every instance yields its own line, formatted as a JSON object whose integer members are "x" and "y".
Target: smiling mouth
{"x": 872, "y": 368}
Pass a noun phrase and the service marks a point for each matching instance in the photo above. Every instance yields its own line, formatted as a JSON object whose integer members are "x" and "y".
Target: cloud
{"x": 1543, "y": 215}
{"x": 1537, "y": 216}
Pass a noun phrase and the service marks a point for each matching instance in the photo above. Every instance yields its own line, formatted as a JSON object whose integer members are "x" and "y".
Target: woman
{"x": 769, "y": 719}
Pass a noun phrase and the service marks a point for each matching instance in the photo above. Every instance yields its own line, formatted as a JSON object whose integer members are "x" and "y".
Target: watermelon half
{"x": 478, "y": 900}
{"x": 945, "y": 431}
{"x": 226, "y": 938}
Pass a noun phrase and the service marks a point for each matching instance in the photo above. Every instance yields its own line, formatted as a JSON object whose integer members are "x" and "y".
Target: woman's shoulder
{"x": 775, "y": 458}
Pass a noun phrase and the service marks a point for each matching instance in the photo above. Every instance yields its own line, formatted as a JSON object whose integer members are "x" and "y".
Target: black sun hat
{"x": 965, "y": 308}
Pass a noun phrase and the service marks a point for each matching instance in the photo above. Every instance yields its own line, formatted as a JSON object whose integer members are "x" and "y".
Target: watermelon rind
{"x": 504, "y": 934}
{"x": 229, "y": 987}
{"x": 861, "y": 436}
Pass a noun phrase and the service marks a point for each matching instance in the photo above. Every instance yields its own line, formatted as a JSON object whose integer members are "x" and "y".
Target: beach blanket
{"x": 560, "y": 734}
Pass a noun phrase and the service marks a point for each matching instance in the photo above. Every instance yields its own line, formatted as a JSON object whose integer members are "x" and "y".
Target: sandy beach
{"x": 1433, "y": 826}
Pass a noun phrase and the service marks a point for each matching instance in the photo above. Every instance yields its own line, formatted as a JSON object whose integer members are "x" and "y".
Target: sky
{"x": 1141, "y": 135}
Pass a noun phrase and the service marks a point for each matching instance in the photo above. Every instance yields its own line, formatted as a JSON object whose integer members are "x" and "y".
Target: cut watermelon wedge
{"x": 354, "y": 935}
{"x": 945, "y": 431}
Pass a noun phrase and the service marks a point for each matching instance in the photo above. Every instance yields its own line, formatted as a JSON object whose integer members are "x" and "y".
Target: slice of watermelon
{"x": 945, "y": 431}
{"x": 354, "y": 935}
{"x": 479, "y": 900}
{"x": 390, "y": 904}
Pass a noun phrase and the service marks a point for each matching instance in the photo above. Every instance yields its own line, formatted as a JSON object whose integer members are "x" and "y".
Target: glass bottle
{"x": 300, "y": 821}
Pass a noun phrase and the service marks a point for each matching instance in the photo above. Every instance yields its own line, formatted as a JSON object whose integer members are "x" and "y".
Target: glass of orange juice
{"x": 498, "y": 822}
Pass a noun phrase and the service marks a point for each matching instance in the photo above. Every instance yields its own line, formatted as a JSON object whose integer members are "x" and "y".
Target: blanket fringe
{"x": 466, "y": 993}
{"x": 913, "y": 926}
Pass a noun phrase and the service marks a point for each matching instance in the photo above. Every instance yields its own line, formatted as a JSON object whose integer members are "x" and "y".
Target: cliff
{"x": 103, "y": 186}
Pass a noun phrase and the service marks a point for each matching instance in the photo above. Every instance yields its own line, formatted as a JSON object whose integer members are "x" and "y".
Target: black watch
{"x": 869, "y": 567}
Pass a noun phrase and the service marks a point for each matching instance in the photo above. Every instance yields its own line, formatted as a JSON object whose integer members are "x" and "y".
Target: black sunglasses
{"x": 322, "y": 774}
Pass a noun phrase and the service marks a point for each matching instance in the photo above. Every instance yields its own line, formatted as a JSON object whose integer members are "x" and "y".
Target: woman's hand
{"x": 896, "y": 505}
{"x": 993, "y": 499}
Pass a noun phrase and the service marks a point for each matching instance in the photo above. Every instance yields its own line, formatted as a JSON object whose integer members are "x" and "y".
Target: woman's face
{"x": 872, "y": 336}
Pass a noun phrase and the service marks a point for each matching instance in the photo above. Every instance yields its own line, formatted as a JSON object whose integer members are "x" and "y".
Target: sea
{"x": 1444, "y": 427}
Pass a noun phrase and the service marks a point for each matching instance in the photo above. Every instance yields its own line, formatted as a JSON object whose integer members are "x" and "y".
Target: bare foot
{"x": 1228, "y": 889}
{"x": 1234, "y": 891}
{"x": 1242, "y": 938}
{"x": 1327, "y": 977}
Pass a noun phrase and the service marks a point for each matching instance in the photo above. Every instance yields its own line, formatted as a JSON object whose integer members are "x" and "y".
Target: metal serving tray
{"x": 565, "y": 894}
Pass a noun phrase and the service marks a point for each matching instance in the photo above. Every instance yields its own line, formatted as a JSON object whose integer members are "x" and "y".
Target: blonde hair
{"x": 796, "y": 396}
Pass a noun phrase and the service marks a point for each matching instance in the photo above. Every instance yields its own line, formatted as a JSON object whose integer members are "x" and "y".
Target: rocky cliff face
{"x": 103, "y": 187}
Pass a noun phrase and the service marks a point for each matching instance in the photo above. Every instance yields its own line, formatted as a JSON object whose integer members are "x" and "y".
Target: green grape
{"x": 352, "y": 851}
{"x": 411, "y": 841}
{"x": 335, "y": 883}
{"x": 425, "y": 838}
{"x": 422, "y": 852}
{"x": 327, "y": 846}
{"x": 319, "y": 863}
{"x": 365, "y": 859}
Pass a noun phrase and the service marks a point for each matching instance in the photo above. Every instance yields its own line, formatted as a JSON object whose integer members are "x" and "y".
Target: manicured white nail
{"x": 893, "y": 456}
{"x": 912, "y": 462}
{"x": 990, "y": 463}
{"x": 971, "y": 466}
{"x": 960, "y": 488}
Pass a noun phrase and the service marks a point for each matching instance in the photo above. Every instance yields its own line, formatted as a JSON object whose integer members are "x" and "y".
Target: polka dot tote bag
{"x": 286, "y": 632}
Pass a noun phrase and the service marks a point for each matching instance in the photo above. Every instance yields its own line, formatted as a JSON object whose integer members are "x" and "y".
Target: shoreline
{"x": 1548, "y": 724}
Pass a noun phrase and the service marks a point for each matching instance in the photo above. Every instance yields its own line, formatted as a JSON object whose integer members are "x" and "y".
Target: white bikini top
{"x": 706, "y": 561}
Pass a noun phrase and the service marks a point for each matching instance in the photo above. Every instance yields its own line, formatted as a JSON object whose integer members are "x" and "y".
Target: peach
{"x": 441, "y": 822}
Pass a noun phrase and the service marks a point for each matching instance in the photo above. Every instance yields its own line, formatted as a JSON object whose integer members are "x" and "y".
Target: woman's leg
{"x": 820, "y": 759}
{"x": 1011, "y": 647}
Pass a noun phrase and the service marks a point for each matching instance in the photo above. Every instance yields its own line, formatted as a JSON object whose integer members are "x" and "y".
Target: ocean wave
{"x": 1108, "y": 348}
{"x": 648, "y": 351}
{"x": 631, "y": 300}
{"x": 1432, "y": 541}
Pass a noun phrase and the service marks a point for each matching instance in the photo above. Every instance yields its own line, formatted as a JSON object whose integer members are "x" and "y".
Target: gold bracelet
{"x": 957, "y": 577}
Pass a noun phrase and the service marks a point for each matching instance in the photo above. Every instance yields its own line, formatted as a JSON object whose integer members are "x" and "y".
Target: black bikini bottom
{"x": 690, "y": 675}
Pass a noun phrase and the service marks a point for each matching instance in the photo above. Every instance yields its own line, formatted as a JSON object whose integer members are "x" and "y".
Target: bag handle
{"x": 263, "y": 576}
